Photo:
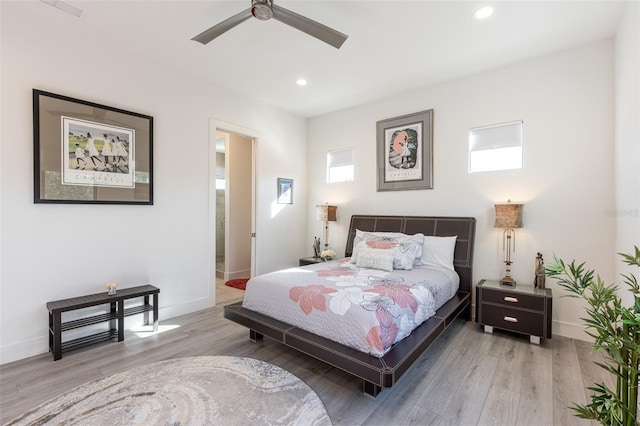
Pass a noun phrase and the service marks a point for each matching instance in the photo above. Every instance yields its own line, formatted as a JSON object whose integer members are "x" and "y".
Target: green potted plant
{"x": 614, "y": 329}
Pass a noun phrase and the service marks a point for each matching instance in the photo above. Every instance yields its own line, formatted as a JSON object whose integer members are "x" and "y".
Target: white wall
{"x": 567, "y": 104}
{"x": 54, "y": 251}
{"x": 627, "y": 144}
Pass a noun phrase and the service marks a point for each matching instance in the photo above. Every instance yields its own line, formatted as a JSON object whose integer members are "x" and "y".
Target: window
{"x": 220, "y": 183}
{"x": 497, "y": 147}
{"x": 340, "y": 166}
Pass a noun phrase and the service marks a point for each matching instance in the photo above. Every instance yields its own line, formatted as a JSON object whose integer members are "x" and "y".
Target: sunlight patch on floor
{"x": 143, "y": 331}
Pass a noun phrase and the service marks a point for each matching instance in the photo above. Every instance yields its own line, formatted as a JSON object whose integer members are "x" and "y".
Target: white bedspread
{"x": 366, "y": 309}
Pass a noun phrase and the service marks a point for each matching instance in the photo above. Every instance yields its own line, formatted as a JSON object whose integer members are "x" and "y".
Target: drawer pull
{"x": 510, "y": 299}
{"x": 511, "y": 319}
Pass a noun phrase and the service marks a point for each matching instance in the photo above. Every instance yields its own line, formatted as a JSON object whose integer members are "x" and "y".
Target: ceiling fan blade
{"x": 309, "y": 26}
{"x": 224, "y": 26}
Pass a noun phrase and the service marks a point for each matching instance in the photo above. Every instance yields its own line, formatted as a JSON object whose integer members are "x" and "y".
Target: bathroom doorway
{"x": 234, "y": 205}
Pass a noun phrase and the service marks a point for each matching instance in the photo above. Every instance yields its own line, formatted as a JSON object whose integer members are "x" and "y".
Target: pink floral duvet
{"x": 366, "y": 309}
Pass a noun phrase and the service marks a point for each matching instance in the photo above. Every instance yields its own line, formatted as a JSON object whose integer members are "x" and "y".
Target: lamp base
{"x": 508, "y": 281}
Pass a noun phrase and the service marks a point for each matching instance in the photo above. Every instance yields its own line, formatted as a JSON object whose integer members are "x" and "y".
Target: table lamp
{"x": 326, "y": 213}
{"x": 508, "y": 217}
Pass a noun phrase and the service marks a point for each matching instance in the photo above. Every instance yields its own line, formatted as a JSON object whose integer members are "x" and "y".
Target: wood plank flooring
{"x": 466, "y": 377}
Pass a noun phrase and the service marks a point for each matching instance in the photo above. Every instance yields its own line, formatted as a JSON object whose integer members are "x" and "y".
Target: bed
{"x": 384, "y": 370}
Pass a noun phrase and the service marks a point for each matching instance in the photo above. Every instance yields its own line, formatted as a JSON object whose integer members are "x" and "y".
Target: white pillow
{"x": 365, "y": 235}
{"x": 375, "y": 258}
{"x": 438, "y": 251}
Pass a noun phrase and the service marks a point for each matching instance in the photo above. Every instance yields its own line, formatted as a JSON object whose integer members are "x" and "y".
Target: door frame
{"x": 254, "y": 135}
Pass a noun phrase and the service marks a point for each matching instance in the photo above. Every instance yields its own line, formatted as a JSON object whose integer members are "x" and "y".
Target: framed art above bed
{"x": 405, "y": 152}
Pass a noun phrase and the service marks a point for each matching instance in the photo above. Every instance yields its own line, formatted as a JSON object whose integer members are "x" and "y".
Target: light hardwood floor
{"x": 466, "y": 377}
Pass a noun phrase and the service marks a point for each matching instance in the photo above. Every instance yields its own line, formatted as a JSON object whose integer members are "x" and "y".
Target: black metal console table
{"x": 115, "y": 316}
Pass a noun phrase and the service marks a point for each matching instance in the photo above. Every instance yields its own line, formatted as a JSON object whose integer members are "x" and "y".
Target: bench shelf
{"x": 115, "y": 316}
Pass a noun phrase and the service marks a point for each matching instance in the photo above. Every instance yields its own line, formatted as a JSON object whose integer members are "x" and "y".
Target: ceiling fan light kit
{"x": 265, "y": 10}
{"x": 262, "y": 9}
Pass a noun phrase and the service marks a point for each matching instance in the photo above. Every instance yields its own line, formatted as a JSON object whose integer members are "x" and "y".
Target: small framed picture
{"x": 285, "y": 191}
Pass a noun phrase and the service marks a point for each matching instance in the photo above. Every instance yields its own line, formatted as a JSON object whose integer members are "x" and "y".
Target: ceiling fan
{"x": 264, "y": 10}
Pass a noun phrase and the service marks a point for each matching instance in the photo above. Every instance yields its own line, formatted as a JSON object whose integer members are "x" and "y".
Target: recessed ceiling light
{"x": 301, "y": 82}
{"x": 484, "y": 12}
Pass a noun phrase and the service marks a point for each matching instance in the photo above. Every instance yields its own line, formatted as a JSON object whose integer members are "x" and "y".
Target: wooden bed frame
{"x": 383, "y": 372}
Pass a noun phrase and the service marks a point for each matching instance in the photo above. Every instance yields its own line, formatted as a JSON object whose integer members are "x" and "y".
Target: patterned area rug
{"x": 208, "y": 390}
{"x": 240, "y": 283}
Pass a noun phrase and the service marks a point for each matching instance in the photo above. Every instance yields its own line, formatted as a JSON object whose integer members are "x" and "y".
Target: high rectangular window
{"x": 496, "y": 147}
{"x": 340, "y": 166}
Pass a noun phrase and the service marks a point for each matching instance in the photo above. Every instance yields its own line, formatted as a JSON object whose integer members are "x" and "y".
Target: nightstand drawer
{"x": 513, "y": 299}
{"x": 513, "y": 319}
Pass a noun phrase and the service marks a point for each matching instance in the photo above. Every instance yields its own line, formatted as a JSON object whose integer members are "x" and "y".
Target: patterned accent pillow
{"x": 407, "y": 249}
{"x": 375, "y": 258}
{"x": 362, "y": 237}
{"x": 408, "y": 252}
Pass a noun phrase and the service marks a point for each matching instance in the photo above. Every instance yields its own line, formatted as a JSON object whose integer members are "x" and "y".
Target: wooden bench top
{"x": 100, "y": 298}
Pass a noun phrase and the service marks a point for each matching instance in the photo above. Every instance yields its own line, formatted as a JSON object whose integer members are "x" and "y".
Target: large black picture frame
{"x": 88, "y": 153}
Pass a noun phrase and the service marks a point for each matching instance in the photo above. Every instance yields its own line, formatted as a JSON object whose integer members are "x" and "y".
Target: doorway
{"x": 232, "y": 207}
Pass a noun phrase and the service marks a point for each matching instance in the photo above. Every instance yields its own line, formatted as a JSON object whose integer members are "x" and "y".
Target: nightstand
{"x": 523, "y": 309}
{"x": 310, "y": 260}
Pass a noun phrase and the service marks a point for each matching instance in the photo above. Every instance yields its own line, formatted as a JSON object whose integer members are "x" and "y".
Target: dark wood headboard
{"x": 463, "y": 227}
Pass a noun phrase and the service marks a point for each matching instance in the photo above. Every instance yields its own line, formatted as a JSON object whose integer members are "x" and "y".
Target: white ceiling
{"x": 393, "y": 46}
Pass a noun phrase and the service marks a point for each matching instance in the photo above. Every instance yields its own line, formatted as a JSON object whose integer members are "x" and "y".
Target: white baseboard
{"x": 24, "y": 349}
{"x": 571, "y": 330}
{"x": 238, "y": 274}
{"x": 172, "y": 311}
